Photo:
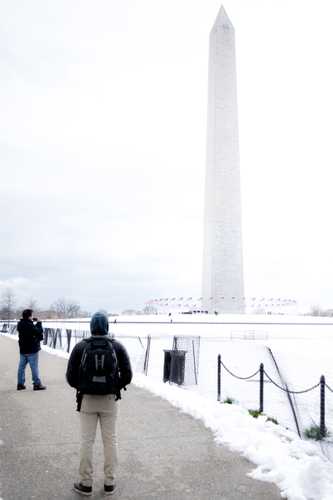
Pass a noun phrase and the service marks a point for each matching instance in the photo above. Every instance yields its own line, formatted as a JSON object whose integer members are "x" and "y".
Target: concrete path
{"x": 164, "y": 454}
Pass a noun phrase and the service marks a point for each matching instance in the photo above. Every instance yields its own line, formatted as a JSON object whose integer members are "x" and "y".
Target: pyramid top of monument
{"x": 222, "y": 19}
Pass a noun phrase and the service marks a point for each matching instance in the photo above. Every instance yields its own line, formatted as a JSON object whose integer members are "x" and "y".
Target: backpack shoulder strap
{"x": 111, "y": 344}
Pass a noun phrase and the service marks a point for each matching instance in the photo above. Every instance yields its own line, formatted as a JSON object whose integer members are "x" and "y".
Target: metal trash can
{"x": 177, "y": 368}
{"x": 174, "y": 366}
{"x": 167, "y": 365}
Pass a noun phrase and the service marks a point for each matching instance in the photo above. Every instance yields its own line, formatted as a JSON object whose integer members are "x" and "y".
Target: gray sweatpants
{"x": 102, "y": 409}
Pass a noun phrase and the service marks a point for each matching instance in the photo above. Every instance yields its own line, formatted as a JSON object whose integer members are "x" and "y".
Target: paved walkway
{"x": 164, "y": 454}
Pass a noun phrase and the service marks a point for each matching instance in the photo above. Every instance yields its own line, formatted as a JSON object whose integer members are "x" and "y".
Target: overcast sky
{"x": 102, "y": 148}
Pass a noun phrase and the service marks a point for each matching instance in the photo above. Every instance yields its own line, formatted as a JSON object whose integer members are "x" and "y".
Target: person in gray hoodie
{"x": 98, "y": 408}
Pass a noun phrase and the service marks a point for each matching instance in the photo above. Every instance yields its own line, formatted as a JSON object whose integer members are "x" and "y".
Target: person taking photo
{"x": 30, "y": 335}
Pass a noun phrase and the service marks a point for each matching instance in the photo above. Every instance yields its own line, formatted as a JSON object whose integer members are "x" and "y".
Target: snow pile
{"x": 55, "y": 352}
{"x": 295, "y": 466}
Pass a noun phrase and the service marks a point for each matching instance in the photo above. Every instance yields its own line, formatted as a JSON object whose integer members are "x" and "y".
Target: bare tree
{"x": 316, "y": 311}
{"x": 59, "y": 307}
{"x": 73, "y": 310}
{"x": 7, "y": 304}
{"x": 65, "y": 308}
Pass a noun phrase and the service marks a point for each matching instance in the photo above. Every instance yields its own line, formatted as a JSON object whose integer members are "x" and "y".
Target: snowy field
{"x": 303, "y": 350}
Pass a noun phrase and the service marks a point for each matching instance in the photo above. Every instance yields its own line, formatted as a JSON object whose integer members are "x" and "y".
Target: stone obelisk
{"x": 223, "y": 287}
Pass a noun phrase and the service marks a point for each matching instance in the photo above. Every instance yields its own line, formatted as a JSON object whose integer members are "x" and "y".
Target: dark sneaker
{"x": 83, "y": 490}
{"x": 109, "y": 489}
{"x": 21, "y": 387}
{"x": 39, "y": 387}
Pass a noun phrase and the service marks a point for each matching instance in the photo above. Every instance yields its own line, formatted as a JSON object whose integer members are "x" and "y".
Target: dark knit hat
{"x": 99, "y": 323}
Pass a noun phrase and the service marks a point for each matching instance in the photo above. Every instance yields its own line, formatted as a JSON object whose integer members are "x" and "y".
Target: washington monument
{"x": 222, "y": 283}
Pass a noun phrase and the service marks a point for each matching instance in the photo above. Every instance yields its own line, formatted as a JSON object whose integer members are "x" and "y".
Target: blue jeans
{"x": 32, "y": 359}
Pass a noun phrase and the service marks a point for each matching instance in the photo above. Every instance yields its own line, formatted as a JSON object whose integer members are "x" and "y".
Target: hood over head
{"x": 99, "y": 323}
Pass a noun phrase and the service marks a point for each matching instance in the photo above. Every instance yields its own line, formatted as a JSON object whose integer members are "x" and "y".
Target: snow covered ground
{"x": 303, "y": 470}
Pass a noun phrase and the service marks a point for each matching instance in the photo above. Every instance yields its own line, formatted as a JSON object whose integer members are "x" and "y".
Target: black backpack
{"x": 99, "y": 371}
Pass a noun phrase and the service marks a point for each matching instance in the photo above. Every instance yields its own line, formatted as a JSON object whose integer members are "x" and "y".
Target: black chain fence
{"x": 262, "y": 374}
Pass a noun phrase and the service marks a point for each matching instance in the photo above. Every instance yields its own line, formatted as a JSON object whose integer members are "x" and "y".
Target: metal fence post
{"x": 261, "y": 389}
{"x": 46, "y": 334}
{"x": 219, "y": 377}
{"x": 146, "y": 361}
{"x": 69, "y": 337}
{"x": 322, "y": 406}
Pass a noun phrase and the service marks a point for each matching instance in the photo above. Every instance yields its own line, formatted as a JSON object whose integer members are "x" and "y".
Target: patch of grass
{"x": 313, "y": 432}
{"x": 258, "y": 413}
{"x": 272, "y": 419}
{"x": 229, "y": 401}
{"x": 255, "y": 413}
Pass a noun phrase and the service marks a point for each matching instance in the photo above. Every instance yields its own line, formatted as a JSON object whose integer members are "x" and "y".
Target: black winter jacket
{"x": 30, "y": 336}
{"x": 124, "y": 364}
